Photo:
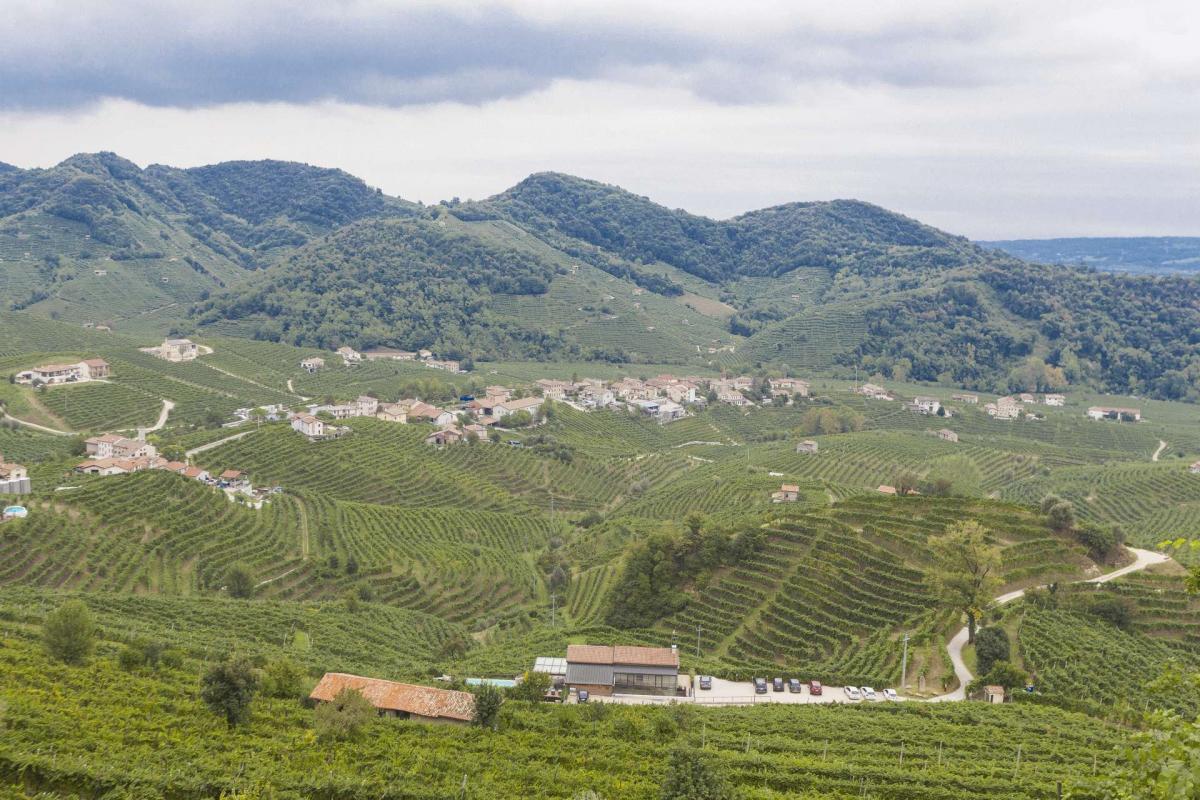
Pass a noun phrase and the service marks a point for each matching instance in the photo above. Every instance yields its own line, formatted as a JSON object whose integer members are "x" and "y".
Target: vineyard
{"x": 150, "y": 733}
{"x": 101, "y": 406}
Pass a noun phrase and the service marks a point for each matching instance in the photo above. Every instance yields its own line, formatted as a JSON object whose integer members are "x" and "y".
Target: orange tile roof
{"x": 423, "y": 701}
{"x": 622, "y": 654}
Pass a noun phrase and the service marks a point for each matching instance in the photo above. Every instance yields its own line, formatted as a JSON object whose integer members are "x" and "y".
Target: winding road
{"x": 1144, "y": 558}
{"x": 36, "y": 427}
{"x": 1162, "y": 445}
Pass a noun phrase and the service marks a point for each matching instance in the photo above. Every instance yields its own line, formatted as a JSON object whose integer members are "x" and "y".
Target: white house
{"x": 529, "y": 404}
{"x": 349, "y": 355}
{"x": 178, "y": 350}
{"x": 110, "y": 445}
{"x": 1111, "y": 412}
{"x": 926, "y": 405}
{"x": 1054, "y": 400}
{"x": 308, "y": 425}
{"x": 312, "y": 364}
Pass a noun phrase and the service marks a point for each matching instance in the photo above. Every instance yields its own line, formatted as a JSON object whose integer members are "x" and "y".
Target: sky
{"x": 988, "y": 119}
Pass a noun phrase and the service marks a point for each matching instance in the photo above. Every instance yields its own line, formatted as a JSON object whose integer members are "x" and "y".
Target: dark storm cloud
{"x": 202, "y": 54}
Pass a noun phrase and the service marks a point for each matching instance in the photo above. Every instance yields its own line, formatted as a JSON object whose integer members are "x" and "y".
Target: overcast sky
{"x": 991, "y": 119}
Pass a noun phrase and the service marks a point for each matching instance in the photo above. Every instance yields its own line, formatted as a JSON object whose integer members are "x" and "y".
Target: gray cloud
{"x": 211, "y": 53}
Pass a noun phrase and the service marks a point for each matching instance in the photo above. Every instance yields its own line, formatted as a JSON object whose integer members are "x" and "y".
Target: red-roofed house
{"x": 405, "y": 700}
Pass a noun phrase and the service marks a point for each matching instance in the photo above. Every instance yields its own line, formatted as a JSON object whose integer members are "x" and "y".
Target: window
{"x": 639, "y": 680}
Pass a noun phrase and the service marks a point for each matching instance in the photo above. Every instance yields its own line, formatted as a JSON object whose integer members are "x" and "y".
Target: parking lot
{"x": 739, "y": 693}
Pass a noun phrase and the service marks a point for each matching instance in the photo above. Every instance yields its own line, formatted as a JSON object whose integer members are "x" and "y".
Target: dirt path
{"x": 277, "y": 577}
{"x": 1144, "y": 558}
{"x": 36, "y": 427}
{"x": 188, "y": 454}
{"x": 168, "y": 406}
{"x": 1161, "y": 446}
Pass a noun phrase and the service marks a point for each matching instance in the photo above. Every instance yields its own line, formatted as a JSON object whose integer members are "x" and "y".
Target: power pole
{"x": 697, "y": 641}
{"x": 553, "y": 608}
{"x": 904, "y": 665}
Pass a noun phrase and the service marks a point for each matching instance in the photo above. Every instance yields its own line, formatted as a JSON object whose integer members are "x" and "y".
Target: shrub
{"x": 991, "y": 645}
{"x": 1061, "y": 516}
{"x": 533, "y": 687}
{"x": 691, "y": 776}
{"x": 345, "y": 717}
{"x": 69, "y": 633}
{"x": 228, "y": 690}
{"x": 284, "y": 679}
{"x": 239, "y": 581}
{"x": 488, "y": 700}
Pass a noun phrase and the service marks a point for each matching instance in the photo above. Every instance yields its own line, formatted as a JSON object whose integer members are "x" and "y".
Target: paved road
{"x": 168, "y": 406}
{"x": 1144, "y": 558}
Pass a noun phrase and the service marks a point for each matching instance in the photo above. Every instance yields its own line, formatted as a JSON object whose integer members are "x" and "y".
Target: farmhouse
{"x": 1026, "y": 397}
{"x": 110, "y": 445}
{"x": 947, "y": 435}
{"x": 788, "y": 493}
{"x": 234, "y": 479}
{"x": 528, "y": 404}
{"x": 366, "y": 406}
{"x": 308, "y": 425}
{"x": 1054, "y": 400}
{"x": 87, "y": 370}
{"x": 349, "y": 355}
{"x": 392, "y": 412}
{"x": 312, "y": 364}
{"x": 118, "y": 466}
{"x": 177, "y": 350}
{"x": 1194, "y": 468}
{"x": 733, "y": 398}
{"x": 404, "y": 700}
{"x": 874, "y": 391}
{"x": 444, "y": 436}
{"x": 555, "y": 390}
{"x": 1119, "y": 414}
{"x": 969, "y": 399}
{"x": 669, "y": 410}
{"x": 14, "y": 478}
{"x": 423, "y": 412}
{"x": 1004, "y": 408}
{"x": 196, "y": 474}
{"x": 681, "y": 392}
{"x": 784, "y": 387}
{"x": 603, "y": 670}
{"x": 926, "y": 405}
{"x": 807, "y": 446}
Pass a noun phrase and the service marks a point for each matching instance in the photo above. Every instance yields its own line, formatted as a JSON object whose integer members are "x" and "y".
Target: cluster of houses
{"x": 1115, "y": 413}
{"x": 90, "y": 369}
{"x": 14, "y": 478}
{"x": 174, "y": 350}
{"x": 350, "y": 357}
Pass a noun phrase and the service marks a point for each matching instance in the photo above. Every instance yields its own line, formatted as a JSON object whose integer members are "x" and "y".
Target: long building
{"x": 604, "y": 670}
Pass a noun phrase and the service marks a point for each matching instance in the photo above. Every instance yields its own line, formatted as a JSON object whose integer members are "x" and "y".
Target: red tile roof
{"x": 423, "y": 701}
{"x": 622, "y": 654}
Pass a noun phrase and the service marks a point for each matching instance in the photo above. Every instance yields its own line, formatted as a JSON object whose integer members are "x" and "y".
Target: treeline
{"x": 659, "y": 569}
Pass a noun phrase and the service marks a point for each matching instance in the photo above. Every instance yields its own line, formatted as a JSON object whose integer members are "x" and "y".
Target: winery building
{"x": 604, "y": 670}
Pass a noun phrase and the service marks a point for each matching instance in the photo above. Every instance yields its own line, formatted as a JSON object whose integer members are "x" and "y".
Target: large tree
{"x": 69, "y": 632}
{"x": 228, "y": 689}
{"x": 966, "y": 570}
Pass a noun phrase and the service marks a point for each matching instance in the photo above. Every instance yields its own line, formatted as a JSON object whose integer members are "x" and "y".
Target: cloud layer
{"x": 992, "y": 119}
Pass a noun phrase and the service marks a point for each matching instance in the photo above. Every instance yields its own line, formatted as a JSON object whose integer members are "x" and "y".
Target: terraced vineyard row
{"x": 101, "y": 406}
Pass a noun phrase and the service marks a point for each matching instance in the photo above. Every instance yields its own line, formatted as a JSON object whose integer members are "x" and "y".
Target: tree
{"x": 991, "y": 645}
{"x": 69, "y": 632}
{"x": 966, "y": 569}
{"x": 1003, "y": 674}
{"x": 1049, "y": 502}
{"x": 691, "y": 776}
{"x": 906, "y": 482}
{"x": 1061, "y": 516}
{"x": 533, "y": 687}
{"x": 488, "y": 700}
{"x": 239, "y": 581}
{"x": 283, "y": 679}
{"x": 344, "y": 717}
{"x": 228, "y": 690}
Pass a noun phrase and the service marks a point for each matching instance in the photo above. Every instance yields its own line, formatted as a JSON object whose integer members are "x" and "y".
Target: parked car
{"x": 583, "y": 695}
{"x": 760, "y": 685}
{"x": 852, "y": 693}
{"x": 706, "y": 682}
{"x": 869, "y": 694}
{"x": 777, "y": 684}
{"x": 814, "y": 688}
{"x": 794, "y": 686}
{"x": 890, "y": 694}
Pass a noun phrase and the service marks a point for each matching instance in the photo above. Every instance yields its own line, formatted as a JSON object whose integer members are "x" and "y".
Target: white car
{"x": 852, "y": 693}
{"x": 890, "y": 694}
{"x": 869, "y": 694}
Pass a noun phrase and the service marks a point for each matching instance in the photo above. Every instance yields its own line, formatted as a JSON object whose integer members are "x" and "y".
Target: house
{"x": 480, "y": 431}
{"x": 425, "y": 355}
{"x": 947, "y": 435}
{"x": 1004, "y": 408}
{"x": 177, "y": 350}
{"x": 174, "y": 466}
{"x": 94, "y": 369}
{"x": 527, "y": 404}
{"x": 196, "y": 474}
{"x": 1119, "y": 414}
{"x": 444, "y": 436}
{"x": 234, "y": 479}
{"x": 423, "y": 412}
{"x": 874, "y": 391}
{"x": 669, "y": 411}
{"x": 633, "y": 389}
{"x": 392, "y": 412}
{"x": 597, "y": 397}
{"x": 349, "y": 355}
{"x": 787, "y": 387}
{"x": 1054, "y": 400}
{"x": 807, "y": 446}
{"x": 969, "y": 399}
{"x": 308, "y": 425}
{"x": 14, "y": 478}
{"x": 733, "y": 398}
{"x": 366, "y": 406}
{"x": 312, "y": 364}
{"x": 788, "y": 493}
{"x": 1026, "y": 397}
{"x": 993, "y": 694}
{"x": 405, "y": 700}
{"x": 448, "y": 365}
{"x": 110, "y": 445}
{"x": 603, "y": 670}
{"x": 926, "y": 405}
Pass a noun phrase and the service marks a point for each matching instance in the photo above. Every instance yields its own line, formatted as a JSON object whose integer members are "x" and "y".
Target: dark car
{"x": 814, "y": 688}
{"x": 760, "y": 685}
{"x": 794, "y": 686}
{"x": 583, "y": 695}
{"x": 706, "y": 681}
{"x": 777, "y": 684}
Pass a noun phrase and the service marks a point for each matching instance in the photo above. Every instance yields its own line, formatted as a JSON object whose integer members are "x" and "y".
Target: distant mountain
{"x": 566, "y": 268}
{"x": 1149, "y": 254}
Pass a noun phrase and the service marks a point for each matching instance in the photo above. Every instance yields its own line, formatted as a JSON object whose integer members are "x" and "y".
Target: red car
{"x": 814, "y": 687}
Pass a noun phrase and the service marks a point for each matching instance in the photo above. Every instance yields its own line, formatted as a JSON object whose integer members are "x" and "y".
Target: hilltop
{"x": 559, "y": 267}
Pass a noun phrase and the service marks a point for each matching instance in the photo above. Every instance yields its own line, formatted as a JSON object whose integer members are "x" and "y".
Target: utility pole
{"x": 553, "y": 608}
{"x": 904, "y": 665}
{"x": 697, "y": 641}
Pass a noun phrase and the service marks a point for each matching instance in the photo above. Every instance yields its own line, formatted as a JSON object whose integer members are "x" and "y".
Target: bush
{"x": 344, "y": 718}
{"x": 691, "y": 776}
{"x": 1102, "y": 543}
{"x": 488, "y": 700}
{"x": 991, "y": 645}
{"x": 239, "y": 581}
{"x": 283, "y": 679}
{"x": 69, "y": 633}
{"x": 533, "y": 687}
{"x": 141, "y": 653}
{"x": 1061, "y": 516}
{"x": 228, "y": 690}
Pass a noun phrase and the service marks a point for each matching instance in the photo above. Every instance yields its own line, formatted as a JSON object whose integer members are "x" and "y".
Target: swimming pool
{"x": 500, "y": 683}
